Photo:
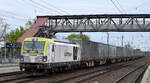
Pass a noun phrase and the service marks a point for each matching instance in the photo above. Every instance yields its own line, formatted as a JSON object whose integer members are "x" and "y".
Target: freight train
{"x": 43, "y": 54}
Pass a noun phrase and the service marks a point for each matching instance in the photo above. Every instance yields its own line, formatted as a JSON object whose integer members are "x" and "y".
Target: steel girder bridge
{"x": 98, "y": 23}
{"x": 50, "y": 25}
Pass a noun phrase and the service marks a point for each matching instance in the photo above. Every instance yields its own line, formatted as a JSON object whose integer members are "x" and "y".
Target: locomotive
{"x": 55, "y": 55}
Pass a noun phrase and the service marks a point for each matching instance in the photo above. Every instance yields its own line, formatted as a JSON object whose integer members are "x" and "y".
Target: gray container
{"x": 95, "y": 51}
{"x": 103, "y": 51}
{"x": 112, "y": 52}
{"x": 130, "y": 52}
{"x": 137, "y": 53}
{"x": 89, "y": 50}
{"x": 120, "y": 52}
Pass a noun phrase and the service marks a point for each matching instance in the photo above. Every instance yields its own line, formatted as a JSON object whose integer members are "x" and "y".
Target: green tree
{"x": 78, "y": 36}
{"x": 14, "y": 35}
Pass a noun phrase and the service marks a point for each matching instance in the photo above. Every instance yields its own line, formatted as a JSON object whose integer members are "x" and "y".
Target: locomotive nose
{"x": 33, "y": 59}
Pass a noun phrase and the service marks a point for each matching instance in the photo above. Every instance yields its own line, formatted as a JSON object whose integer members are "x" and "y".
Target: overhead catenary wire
{"x": 13, "y": 14}
{"x": 45, "y": 7}
{"x": 34, "y": 5}
{"x": 141, "y": 4}
{"x": 54, "y": 7}
{"x": 116, "y": 6}
{"x": 13, "y": 17}
{"x": 121, "y": 6}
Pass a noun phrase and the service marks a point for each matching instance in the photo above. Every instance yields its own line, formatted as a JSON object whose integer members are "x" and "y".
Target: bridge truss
{"x": 98, "y": 23}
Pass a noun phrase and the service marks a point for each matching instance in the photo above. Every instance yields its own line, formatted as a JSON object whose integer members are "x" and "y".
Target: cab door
{"x": 75, "y": 52}
{"x": 49, "y": 53}
{"x": 53, "y": 53}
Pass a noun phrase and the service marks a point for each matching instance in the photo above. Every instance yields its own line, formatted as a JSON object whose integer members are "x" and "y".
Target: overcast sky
{"x": 17, "y": 12}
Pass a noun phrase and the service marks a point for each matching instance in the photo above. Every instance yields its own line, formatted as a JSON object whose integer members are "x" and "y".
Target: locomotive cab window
{"x": 34, "y": 46}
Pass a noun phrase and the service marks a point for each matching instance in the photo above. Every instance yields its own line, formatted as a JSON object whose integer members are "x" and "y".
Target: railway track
{"x": 139, "y": 78}
{"x": 114, "y": 76}
{"x": 6, "y": 66}
{"x": 9, "y": 74}
{"x": 35, "y": 78}
{"x": 17, "y": 77}
{"x": 83, "y": 76}
{"x": 6, "y": 77}
{"x": 78, "y": 76}
{"x": 135, "y": 73}
{"x": 23, "y": 78}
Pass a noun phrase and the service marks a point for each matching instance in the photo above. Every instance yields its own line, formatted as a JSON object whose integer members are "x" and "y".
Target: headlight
{"x": 21, "y": 59}
{"x": 44, "y": 58}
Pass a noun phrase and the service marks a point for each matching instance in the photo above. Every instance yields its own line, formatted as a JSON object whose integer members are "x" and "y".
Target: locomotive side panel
{"x": 65, "y": 53}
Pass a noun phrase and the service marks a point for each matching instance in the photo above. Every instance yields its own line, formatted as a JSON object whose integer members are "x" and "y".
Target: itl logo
{"x": 67, "y": 54}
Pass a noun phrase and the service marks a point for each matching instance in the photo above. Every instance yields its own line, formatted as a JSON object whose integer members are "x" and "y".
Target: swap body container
{"x": 96, "y": 51}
